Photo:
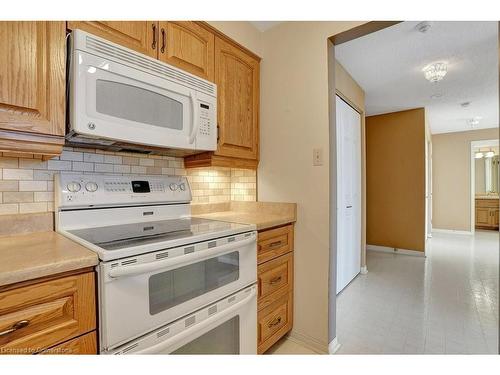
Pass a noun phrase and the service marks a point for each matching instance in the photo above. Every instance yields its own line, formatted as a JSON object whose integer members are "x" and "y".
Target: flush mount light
{"x": 435, "y": 72}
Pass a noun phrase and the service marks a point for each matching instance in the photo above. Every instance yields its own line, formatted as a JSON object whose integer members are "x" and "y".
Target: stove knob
{"x": 91, "y": 186}
{"x": 74, "y": 186}
{"x": 173, "y": 186}
{"x": 182, "y": 186}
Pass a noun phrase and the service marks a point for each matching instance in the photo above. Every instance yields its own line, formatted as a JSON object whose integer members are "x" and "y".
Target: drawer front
{"x": 86, "y": 344}
{"x": 274, "y": 242}
{"x": 486, "y": 203}
{"x": 275, "y": 278}
{"x": 39, "y": 316}
{"x": 274, "y": 322}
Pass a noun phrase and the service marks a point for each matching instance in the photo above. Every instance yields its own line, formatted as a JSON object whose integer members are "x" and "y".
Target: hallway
{"x": 444, "y": 303}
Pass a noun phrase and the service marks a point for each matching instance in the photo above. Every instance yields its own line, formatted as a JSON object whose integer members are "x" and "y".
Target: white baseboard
{"x": 392, "y": 250}
{"x": 334, "y": 346}
{"x": 364, "y": 271}
{"x": 309, "y": 342}
{"x": 452, "y": 231}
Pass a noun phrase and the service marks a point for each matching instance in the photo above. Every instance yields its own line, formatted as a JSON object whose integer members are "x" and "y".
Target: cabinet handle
{"x": 274, "y": 322}
{"x": 15, "y": 327}
{"x": 275, "y": 244}
{"x": 275, "y": 280}
{"x": 153, "y": 45}
{"x": 163, "y": 40}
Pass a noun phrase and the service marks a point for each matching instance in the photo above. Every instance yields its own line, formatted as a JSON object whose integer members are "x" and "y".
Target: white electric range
{"x": 167, "y": 282}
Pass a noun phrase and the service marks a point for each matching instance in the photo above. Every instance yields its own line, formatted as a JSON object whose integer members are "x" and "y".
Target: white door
{"x": 348, "y": 193}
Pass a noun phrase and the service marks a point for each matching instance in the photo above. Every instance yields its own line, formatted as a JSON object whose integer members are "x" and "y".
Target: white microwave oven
{"x": 117, "y": 95}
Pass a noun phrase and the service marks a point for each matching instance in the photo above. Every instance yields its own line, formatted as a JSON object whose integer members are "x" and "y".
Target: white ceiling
{"x": 388, "y": 66}
{"x": 264, "y": 25}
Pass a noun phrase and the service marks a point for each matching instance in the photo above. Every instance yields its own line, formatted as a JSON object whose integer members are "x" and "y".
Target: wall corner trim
{"x": 334, "y": 346}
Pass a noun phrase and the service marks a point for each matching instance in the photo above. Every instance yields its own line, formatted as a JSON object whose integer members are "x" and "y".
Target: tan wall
{"x": 349, "y": 90}
{"x": 451, "y": 177}
{"x": 242, "y": 32}
{"x": 294, "y": 121}
{"x": 395, "y": 179}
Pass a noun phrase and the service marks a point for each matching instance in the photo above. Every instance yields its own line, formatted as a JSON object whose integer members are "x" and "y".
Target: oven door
{"x": 143, "y": 293}
{"x": 116, "y": 102}
{"x": 225, "y": 327}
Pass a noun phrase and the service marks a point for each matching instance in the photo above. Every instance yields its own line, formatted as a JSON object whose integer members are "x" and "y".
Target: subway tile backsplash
{"x": 26, "y": 184}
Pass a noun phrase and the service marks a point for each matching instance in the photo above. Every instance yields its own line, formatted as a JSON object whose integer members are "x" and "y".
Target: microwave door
{"x": 114, "y": 101}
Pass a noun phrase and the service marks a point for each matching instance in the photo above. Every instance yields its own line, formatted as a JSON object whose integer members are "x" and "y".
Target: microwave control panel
{"x": 205, "y": 123}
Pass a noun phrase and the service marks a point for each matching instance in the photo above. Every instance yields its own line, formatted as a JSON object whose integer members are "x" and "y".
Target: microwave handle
{"x": 196, "y": 327}
{"x": 177, "y": 261}
{"x": 194, "y": 119}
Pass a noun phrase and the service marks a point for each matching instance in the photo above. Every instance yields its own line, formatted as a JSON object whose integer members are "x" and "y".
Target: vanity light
{"x": 478, "y": 155}
{"x": 435, "y": 72}
{"x": 489, "y": 154}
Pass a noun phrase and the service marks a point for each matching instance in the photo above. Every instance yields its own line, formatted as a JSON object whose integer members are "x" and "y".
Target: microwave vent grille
{"x": 149, "y": 66}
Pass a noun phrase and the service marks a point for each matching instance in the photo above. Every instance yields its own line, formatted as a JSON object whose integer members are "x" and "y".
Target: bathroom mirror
{"x": 487, "y": 175}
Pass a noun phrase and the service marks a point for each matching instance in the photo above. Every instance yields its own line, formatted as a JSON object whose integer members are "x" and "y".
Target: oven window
{"x": 223, "y": 339}
{"x": 171, "y": 288}
{"x": 136, "y": 104}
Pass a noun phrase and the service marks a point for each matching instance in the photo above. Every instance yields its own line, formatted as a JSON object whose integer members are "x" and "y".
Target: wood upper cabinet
{"x": 237, "y": 79}
{"x": 141, "y": 36}
{"x": 32, "y": 86}
{"x": 188, "y": 46}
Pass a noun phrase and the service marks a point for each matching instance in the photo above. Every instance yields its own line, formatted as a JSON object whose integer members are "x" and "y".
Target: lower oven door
{"x": 225, "y": 327}
{"x": 140, "y": 294}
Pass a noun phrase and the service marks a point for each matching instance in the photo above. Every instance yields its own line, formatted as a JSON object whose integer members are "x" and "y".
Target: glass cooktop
{"x": 115, "y": 237}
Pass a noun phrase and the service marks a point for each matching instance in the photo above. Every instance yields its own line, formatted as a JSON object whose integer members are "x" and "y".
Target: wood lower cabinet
{"x": 86, "y": 344}
{"x": 32, "y": 87}
{"x": 487, "y": 214}
{"x": 41, "y": 315}
{"x": 275, "y": 284}
{"x": 141, "y": 36}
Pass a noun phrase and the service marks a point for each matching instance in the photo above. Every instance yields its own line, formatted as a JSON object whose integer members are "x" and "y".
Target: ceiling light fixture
{"x": 465, "y": 104}
{"x": 435, "y": 72}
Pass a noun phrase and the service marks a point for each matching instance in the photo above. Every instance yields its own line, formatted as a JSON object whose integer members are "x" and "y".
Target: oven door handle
{"x": 177, "y": 261}
{"x": 194, "y": 118}
{"x": 196, "y": 327}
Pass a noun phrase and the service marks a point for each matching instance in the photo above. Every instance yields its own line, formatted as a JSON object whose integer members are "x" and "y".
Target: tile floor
{"x": 287, "y": 346}
{"x": 446, "y": 303}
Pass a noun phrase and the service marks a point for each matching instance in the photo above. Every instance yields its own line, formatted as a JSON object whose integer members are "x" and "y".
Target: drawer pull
{"x": 274, "y": 322}
{"x": 15, "y": 327}
{"x": 275, "y": 280}
{"x": 275, "y": 244}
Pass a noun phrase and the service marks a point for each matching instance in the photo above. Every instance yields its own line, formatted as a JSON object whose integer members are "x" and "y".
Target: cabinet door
{"x": 483, "y": 216}
{"x": 494, "y": 217}
{"x": 32, "y": 77}
{"x": 141, "y": 36}
{"x": 237, "y": 79}
{"x": 188, "y": 46}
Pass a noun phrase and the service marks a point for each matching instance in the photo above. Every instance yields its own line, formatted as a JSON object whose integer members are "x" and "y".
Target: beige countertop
{"x": 487, "y": 197}
{"x": 263, "y": 215}
{"x": 30, "y": 256}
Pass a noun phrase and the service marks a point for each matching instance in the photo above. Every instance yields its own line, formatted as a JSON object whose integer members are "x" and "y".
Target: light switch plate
{"x": 317, "y": 157}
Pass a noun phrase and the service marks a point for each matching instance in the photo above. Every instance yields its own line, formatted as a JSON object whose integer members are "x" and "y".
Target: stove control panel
{"x": 87, "y": 190}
